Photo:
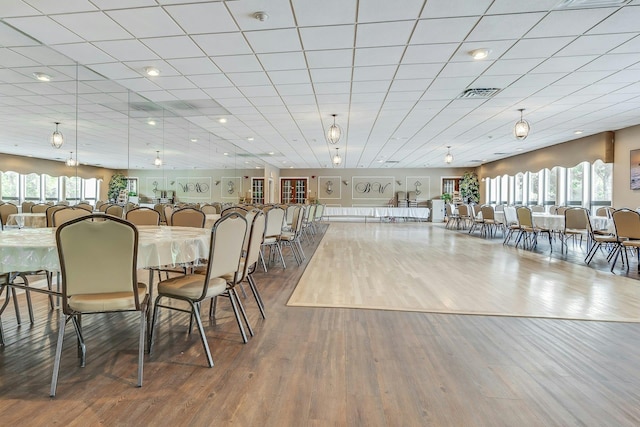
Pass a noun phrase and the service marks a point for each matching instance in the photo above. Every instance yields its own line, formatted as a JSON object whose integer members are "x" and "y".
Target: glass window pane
{"x": 32, "y": 187}
{"x": 10, "y": 186}
{"x": 51, "y": 185}
{"x": 534, "y": 188}
{"x": 551, "y": 186}
{"x": 90, "y": 188}
{"x": 519, "y": 189}
{"x": 72, "y": 188}
{"x": 601, "y": 185}
{"x": 575, "y": 185}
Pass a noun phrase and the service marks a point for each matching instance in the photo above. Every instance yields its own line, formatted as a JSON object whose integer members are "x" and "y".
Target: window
{"x": 10, "y": 186}
{"x": 550, "y": 186}
{"x": 534, "y": 188}
{"x": 294, "y": 190}
{"x": 32, "y": 187}
{"x": 51, "y": 187}
{"x": 90, "y": 189}
{"x": 601, "y": 185}
{"x": 493, "y": 192}
{"x": 575, "y": 185}
{"x": 504, "y": 190}
{"x": 257, "y": 190}
{"x": 72, "y": 189}
{"x": 519, "y": 189}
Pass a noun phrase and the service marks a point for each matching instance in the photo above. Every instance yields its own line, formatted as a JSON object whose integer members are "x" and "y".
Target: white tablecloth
{"x": 556, "y": 222}
{"x": 376, "y": 212}
{"x": 31, "y": 220}
{"x": 35, "y": 249}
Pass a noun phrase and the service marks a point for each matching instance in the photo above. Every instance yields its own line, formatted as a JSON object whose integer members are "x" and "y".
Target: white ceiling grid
{"x": 391, "y": 70}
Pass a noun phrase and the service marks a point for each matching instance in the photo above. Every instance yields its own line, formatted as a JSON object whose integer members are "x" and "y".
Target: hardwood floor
{"x": 327, "y": 367}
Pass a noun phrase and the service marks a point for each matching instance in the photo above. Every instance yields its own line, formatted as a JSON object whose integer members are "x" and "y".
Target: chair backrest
{"x": 238, "y": 209}
{"x": 99, "y": 203}
{"x": 289, "y": 214}
{"x": 49, "y": 214}
{"x": 209, "y": 209}
{"x": 39, "y": 208}
{"x": 510, "y": 215}
{"x": 576, "y": 219}
{"x": 256, "y": 235}
{"x": 463, "y": 210}
{"x": 115, "y": 210}
{"x": 487, "y": 212}
{"x": 401, "y": 195}
{"x": 601, "y": 211}
{"x": 448, "y": 209}
{"x": 85, "y": 206}
{"x": 143, "y": 216}
{"x": 310, "y": 213}
{"x": 168, "y": 212}
{"x": 525, "y": 219}
{"x": 275, "y": 220}
{"x": 225, "y": 251}
{"x": 537, "y": 208}
{"x": 561, "y": 210}
{"x": 319, "y": 212}
{"x": 499, "y": 208}
{"x": 63, "y": 203}
{"x": 477, "y": 209}
{"x": 83, "y": 248}
{"x": 298, "y": 220}
{"x": 26, "y": 206}
{"x": 103, "y": 207}
{"x": 61, "y": 216}
{"x": 7, "y": 209}
{"x": 411, "y": 195}
{"x": 553, "y": 209}
{"x": 627, "y": 223}
{"x": 188, "y": 217}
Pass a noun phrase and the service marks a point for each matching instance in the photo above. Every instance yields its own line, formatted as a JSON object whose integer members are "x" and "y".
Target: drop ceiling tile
{"x": 454, "y": 83}
{"x": 289, "y": 77}
{"x": 326, "y": 12}
{"x": 194, "y": 66}
{"x": 612, "y": 62}
{"x": 283, "y": 61}
{"x": 92, "y": 26}
{"x": 513, "y": 66}
{"x": 173, "y": 47}
{"x": 623, "y": 21}
{"x": 126, "y": 50}
{"x": 381, "y": 72}
{"x": 44, "y": 28}
{"x": 378, "y": 55}
{"x": 569, "y": 22}
{"x": 383, "y": 10}
{"x": 445, "y": 30}
{"x": 429, "y": 53}
{"x": 219, "y": 93}
{"x": 325, "y": 75}
{"x": 537, "y": 48}
{"x": 283, "y": 40}
{"x": 12, "y": 8}
{"x": 13, "y": 59}
{"x": 407, "y": 96}
{"x": 583, "y": 78}
{"x": 279, "y": 11}
{"x": 374, "y": 99}
{"x": 329, "y": 58}
{"x": 122, "y": 4}
{"x": 384, "y": 34}
{"x": 199, "y": 18}
{"x": 504, "y": 27}
{"x": 165, "y": 69}
{"x": 267, "y": 101}
{"x": 333, "y": 37}
{"x": 173, "y": 82}
{"x": 593, "y": 45}
{"x": 136, "y": 84}
{"x": 84, "y": 53}
{"x": 295, "y": 89}
{"x": 521, "y": 6}
{"x": 631, "y": 46}
{"x": 237, "y": 63}
{"x": 496, "y": 48}
{"x": 448, "y": 8}
{"x": 146, "y": 22}
{"x": 418, "y": 71}
{"x": 566, "y": 64}
{"x": 249, "y": 79}
{"x": 222, "y": 44}
{"x": 332, "y": 88}
{"x": 410, "y": 85}
{"x": 115, "y": 71}
{"x": 462, "y": 69}
{"x": 251, "y": 91}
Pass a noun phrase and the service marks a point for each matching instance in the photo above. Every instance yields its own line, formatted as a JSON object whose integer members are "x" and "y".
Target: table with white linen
{"x": 375, "y": 212}
{"x": 210, "y": 220}
{"x": 31, "y": 220}
{"x": 556, "y": 222}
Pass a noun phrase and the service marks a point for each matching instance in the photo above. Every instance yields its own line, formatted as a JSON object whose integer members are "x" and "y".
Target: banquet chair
{"x": 510, "y": 223}
{"x": 319, "y": 213}
{"x": 292, "y": 238}
{"x": 67, "y": 214}
{"x": 528, "y": 230}
{"x": 90, "y": 285}
{"x": 115, "y": 210}
{"x": 290, "y": 209}
{"x": 602, "y": 211}
{"x": 561, "y": 210}
{"x": 39, "y": 208}
{"x": 26, "y": 206}
{"x": 188, "y": 217}
{"x": 273, "y": 229}
{"x": 143, "y": 216}
{"x": 225, "y": 251}
{"x": 575, "y": 224}
{"x": 401, "y": 199}
{"x": 104, "y": 206}
{"x": 627, "y": 225}
{"x": 452, "y": 218}
{"x": 49, "y": 214}
{"x": 489, "y": 224}
{"x": 537, "y": 208}
{"x": 465, "y": 217}
{"x": 412, "y": 199}
{"x": 610, "y": 241}
{"x": 209, "y": 209}
{"x": 85, "y": 206}
{"x": 307, "y": 223}
{"x": 7, "y": 209}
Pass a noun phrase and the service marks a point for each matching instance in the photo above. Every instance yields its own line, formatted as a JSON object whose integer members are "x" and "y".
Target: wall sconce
{"x": 217, "y": 182}
{"x": 398, "y": 182}
{"x": 246, "y": 177}
{"x": 345, "y": 182}
{"x": 329, "y": 187}
{"x": 313, "y": 177}
{"x": 231, "y": 187}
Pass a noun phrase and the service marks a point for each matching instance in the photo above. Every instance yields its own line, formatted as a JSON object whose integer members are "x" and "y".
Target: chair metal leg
{"x": 28, "y": 296}
{"x": 16, "y": 307}
{"x": 56, "y": 361}
{"x": 234, "y": 305}
{"x": 82, "y": 348}
{"x": 141, "y": 343}
{"x": 256, "y": 295}
{"x": 203, "y": 338}
{"x": 264, "y": 265}
{"x": 154, "y": 319}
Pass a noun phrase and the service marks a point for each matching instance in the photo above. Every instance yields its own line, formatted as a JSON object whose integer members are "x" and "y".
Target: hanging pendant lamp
{"x": 71, "y": 162}
{"x": 521, "y": 128}
{"x": 158, "y": 160}
{"x": 56, "y": 138}
{"x": 334, "y": 133}
{"x": 337, "y": 160}
{"x": 449, "y": 157}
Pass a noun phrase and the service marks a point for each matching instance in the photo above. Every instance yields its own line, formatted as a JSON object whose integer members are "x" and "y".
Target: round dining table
{"x": 30, "y": 220}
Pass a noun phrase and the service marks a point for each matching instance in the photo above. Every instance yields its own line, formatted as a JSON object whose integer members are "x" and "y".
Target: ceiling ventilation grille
{"x": 479, "y": 93}
{"x": 588, "y": 4}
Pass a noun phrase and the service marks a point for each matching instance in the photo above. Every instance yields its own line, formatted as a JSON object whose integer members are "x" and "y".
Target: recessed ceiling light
{"x": 194, "y": 139}
{"x": 226, "y": 154}
{"x": 271, "y": 153}
{"x": 578, "y": 132}
{"x": 261, "y": 16}
{"x": 42, "y": 77}
{"x": 222, "y": 120}
{"x": 152, "y": 71}
{"x": 250, "y": 138}
{"x": 481, "y": 53}
{"x": 518, "y": 149}
{"x": 380, "y": 161}
{"x": 290, "y": 167}
{"x": 151, "y": 122}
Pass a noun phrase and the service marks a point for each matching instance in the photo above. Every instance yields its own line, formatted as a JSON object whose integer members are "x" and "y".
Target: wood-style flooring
{"x": 309, "y": 366}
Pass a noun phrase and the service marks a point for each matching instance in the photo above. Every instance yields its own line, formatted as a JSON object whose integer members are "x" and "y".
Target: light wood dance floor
{"x": 424, "y": 267}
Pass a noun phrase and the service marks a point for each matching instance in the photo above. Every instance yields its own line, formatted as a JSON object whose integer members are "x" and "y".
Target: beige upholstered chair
{"x": 7, "y": 209}
{"x": 561, "y": 210}
{"x": 188, "y": 217}
{"x": 103, "y": 207}
{"x": 575, "y": 224}
{"x": 61, "y": 216}
{"x": 601, "y": 211}
{"x": 401, "y": 199}
{"x": 39, "y": 208}
{"x": 292, "y": 238}
{"x": 598, "y": 240}
{"x": 115, "y": 210}
{"x": 168, "y": 211}
{"x": 465, "y": 216}
{"x": 627, "y": 224}
{"x": 91, "y": 285}
{"x": 159, "y": 207}
{"x": 412, "y": 199}
{"x": 26, "y": 206}
{"x": 85, "y": 206}
{"x": 209, "y": 209}
{"x": 227, "y": 238}
{"x": 143, "y": 216}
{"x": 319, "y": 213}
{"x": 273, "y": 229}
{"x": 537, "y": 208}
{"x": 489, "y": 224}
{"x": 528, "y": 230}
{"x": 289, "y": 210}
{"x": 510, "y": 223}
{"x": 49, "y": 214}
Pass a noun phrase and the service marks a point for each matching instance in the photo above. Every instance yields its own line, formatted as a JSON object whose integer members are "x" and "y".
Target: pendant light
{"x": 334, "y": 133}
{"x": 449, "y": 157}
{"x": 71, "y": 162}
{"x": 337, "y": 160}
{"x": 521, "y": 128}
{"x": 158, "y": 160}
{"x": 56, "y": 138}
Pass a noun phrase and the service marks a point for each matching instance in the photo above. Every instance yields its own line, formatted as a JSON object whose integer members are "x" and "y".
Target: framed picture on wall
{"x": 634, "y": 169}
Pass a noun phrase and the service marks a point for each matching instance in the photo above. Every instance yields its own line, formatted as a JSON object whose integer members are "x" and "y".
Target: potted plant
{"x": 116, "y": 183}
{"x": 447, "y": 197}
{"x": 470, "y": 188}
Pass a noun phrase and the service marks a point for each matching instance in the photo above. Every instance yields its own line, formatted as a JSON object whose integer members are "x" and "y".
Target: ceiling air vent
{"x": 588, "y": 4}
{"x": 479, "y": 93}
{"x": 392, "y": 161}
